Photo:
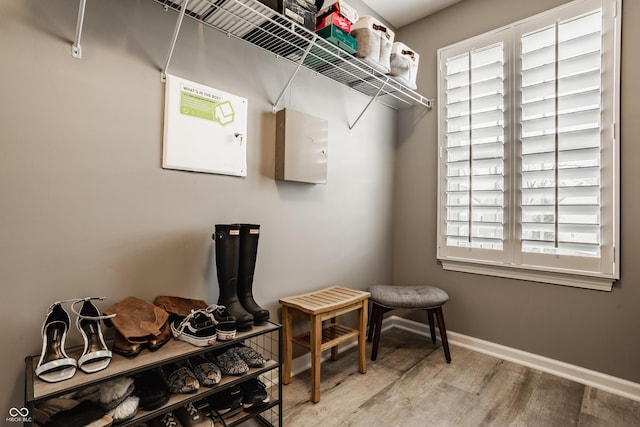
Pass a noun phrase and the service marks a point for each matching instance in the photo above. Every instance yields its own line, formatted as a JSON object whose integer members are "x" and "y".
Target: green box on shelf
{"x": 339, "y": 37}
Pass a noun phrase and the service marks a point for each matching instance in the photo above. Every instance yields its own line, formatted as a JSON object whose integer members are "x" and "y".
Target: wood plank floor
{"x": 411, "y": 385}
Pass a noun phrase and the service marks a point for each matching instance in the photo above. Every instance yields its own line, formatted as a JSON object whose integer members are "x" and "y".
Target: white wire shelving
{"x": 263, "y": 27}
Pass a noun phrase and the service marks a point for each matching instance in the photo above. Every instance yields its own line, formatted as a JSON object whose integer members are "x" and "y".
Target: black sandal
{"x": 95, "y": 355}
{"x": 54, "y": 364}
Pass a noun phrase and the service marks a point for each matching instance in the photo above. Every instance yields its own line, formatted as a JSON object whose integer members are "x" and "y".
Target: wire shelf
{"x": 263, "y": 27}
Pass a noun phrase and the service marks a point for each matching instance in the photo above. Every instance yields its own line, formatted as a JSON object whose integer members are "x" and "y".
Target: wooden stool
{"x": 326, "y": 304}
{"x": 389, "y": 297}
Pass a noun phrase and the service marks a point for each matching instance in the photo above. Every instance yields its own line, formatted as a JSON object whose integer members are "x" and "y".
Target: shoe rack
{"x": 265, "y": 339}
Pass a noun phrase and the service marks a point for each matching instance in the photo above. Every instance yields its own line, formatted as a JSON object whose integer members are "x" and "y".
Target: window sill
{"x": 600, "y": 283}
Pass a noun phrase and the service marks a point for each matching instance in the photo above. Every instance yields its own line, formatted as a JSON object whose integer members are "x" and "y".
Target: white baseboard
{"x": 575, "y": 373}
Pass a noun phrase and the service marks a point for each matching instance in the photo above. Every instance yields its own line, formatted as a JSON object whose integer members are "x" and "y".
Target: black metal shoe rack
{"x": 265, "y": 339}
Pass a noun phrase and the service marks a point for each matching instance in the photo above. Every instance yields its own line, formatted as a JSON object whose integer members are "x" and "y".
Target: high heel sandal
{"x": 95, "y": 355}
{"x": 54, "y": 364}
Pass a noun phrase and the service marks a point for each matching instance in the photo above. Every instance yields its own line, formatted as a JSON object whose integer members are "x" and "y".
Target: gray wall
{"x": 593, "y": 329}
{"x": 87, "y": 209}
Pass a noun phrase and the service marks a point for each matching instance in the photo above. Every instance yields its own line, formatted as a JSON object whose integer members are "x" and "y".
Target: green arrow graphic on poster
{"x": 206, "y": 106}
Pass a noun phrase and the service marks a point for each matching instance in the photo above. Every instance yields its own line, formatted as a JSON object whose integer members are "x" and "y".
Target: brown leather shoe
{"x": 179, "y": 306}
{"x": 126, "y": 348}
{"x": 136, "y": 319}
{"x": 155, "y": 342}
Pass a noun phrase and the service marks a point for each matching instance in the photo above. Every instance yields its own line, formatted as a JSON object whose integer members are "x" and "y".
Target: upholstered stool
{"x": 389, "y": 297}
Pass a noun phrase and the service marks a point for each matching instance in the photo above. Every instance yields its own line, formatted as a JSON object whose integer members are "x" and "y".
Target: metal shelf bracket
{"x": 295, "y": 72}
{"x": 176, "y": 31}
{"x": 366, "y": 107}
{"x": 76, "y": 48}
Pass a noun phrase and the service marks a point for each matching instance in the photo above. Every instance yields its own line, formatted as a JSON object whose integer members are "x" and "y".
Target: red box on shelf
{"x": 342, "y": 8}
{"x": 334, "y": 18}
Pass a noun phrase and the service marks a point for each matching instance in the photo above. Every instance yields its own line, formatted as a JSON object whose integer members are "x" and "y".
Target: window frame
{"x": 585, "y": 272}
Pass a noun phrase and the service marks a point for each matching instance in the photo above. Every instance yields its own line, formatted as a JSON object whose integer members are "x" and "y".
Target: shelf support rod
{"x": 176, "y": 31}
{"x": 76, "y": 48}
{"x": 368, "y": 104}
{"x": 295, "y": 72}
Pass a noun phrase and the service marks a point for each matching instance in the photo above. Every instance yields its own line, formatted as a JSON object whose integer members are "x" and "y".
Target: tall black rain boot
{"x": 249, "y": 234}
{"x": 227, "y": 238}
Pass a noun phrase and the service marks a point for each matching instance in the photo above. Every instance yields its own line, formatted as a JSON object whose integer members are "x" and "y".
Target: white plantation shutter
{"x": 560, "y": 137}
{"x": 528, "y": 171}
{"x": 475, "y": 148}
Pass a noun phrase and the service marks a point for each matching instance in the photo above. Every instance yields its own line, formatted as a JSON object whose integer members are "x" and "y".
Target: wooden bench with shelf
{"x": 316, "y": 307}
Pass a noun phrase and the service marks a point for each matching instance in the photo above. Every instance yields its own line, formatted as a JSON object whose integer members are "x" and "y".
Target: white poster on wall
{"x": 204, "y": 129}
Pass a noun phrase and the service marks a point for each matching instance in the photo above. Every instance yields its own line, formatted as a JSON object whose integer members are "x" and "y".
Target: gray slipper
{"x": 126, "y": 410}
{"x": 114, "y": 392}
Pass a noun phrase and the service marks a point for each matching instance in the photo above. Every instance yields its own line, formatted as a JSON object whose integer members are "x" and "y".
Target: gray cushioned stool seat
{"x": 390, "y": 297}
{"x": 416, "y": 297}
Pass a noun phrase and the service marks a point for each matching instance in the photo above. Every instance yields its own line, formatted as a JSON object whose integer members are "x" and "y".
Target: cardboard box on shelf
{"x": 342, "y": 8}
{"x": 339, "y": 37}
{"x": 334, "y": 18}
{"x": 299, "y": 11}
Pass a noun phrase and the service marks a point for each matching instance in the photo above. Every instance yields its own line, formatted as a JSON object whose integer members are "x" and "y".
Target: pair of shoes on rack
{"x": 138, "y": 325}
{"x": 250, "y": 396}
{"x": 151, "y": 388}
{"x": 252, "y": 358}
{"x": 54, "y": 364}
{"x": 254, "y": 395}
{"x": 73, "y": 413}
{"x": 203, "y": 326}
{"x": 180, "y": 378}
{"x": 207, "y": 373}
{"x": 65, "y": 412}
{"x": 236, "y": 360}
{"x": 110, "y": 402}
{"x": 185, "y": 416}
{"x": 190, "y": 416}
{"x": 117, "y": 398}
{"x": 132, "y": 347}
{"x": 187, "y": 376}
{"x": 226, "y": 403}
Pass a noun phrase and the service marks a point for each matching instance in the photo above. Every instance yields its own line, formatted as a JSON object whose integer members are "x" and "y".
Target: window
{"x": 529, "y": 149}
